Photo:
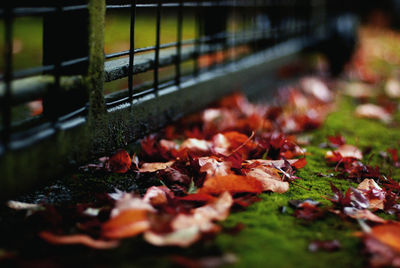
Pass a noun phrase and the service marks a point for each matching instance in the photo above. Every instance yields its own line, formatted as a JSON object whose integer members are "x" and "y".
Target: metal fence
{"x": 79, "y": 121}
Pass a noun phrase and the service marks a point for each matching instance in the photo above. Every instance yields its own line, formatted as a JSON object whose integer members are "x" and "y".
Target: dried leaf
{"x": 127, "y": 201}
{"x": 327, "y": 245}
{"x": 363, "y": 214}
{"x": 188, "y": 228}
{"x": 77, "y": 239}
{"x": 153, "y": 167}
{"x": 213, "y": 167}
{"x": 269, "y": 178}
{"x": 373, "y": 111}
{"x": 231, "y": 183}
{"x": 120, "y": 162}
{"x": 316, "y": 88}
{"x": 126, "y": 224}
{"x": 392, "y": 88}
{"x": 344, "y": 151}
{"x": 374, "y": 193}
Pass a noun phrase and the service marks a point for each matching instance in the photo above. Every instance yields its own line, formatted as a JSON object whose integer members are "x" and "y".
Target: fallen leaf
{"x": 231, "y": 183}
{"x": 392, "y": 88}
{"x": 127, "y": 223}
{"x": 213, "y": 167}
{"x": 373, "y": 111}
{"x": 359, "y": 90}
{"x": 363, "y": 214}
{"x": 77, "y": 239}
{"x": 374, "y": 193}
{"x": 315, "y": 87}
{"x": 272, "y": 163}
{"x": 188, "y": 228}
{"x": 120, "y": 162}
{"x": 180, "y": 238}
{"x": 269, "y": 178}
{"x": 158, "y": 195}
{"x": 382, "y": 242}
{"x": 153, "y": 167}
{"x": 344, "y": 151}
{"x": 327, "y": 245}
{"x": 127, "y": 201}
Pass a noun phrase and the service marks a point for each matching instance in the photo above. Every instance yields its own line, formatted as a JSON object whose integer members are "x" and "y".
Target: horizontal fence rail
{"x": 78, "y": 119}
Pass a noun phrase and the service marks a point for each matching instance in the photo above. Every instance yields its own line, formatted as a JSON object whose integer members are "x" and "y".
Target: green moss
{"x": 274, "y": 239}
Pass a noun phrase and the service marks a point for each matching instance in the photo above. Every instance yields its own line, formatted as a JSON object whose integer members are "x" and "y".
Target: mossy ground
{"x": 271, "y": 238}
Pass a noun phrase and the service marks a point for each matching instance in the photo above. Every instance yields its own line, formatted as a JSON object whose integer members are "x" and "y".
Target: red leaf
{"x": 120, "y": 162}
{"x": 299, "y": 163}
{"x": 337, "y": 140}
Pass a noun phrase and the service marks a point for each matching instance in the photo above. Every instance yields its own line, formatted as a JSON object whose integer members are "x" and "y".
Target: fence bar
{"x": 131, "y": 51}
{"x": 197, "y": 39}
{"x": 179, "y": 44}
{"x": 157, "y": 49}
{"x": 7, "y": 75}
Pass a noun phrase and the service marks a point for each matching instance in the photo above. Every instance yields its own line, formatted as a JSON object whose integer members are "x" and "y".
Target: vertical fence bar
{"x": 95, "y": 76}
{"x": 179, "y": 44}
{"x": 198, "y": 28}
{"x": 234, "y": 30}
{"x": 57, "y": 74}
{"x": 254, "y": 26}
{"x": 8, "y": 19}
{"x": 131, "y": 51}
{"x": 157, "y": 49}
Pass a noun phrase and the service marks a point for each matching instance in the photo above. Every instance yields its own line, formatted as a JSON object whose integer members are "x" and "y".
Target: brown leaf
{"x": 158, "y": 195}
{"x": 77, "y": 239}
{"x": 213, "y": 167}
{"x": 153, "y": 167}
{"x": 269, "y": 178}
{"x": 368, "y": 186}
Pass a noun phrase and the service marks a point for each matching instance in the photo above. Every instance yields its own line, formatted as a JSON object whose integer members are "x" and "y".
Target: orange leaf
{"x": 77, "y": 239}
{"x": 126, "y": 224}
{"x": 388, "y": 234}
{"x": 232, "y": 184}
{"x": 120, "y": 162}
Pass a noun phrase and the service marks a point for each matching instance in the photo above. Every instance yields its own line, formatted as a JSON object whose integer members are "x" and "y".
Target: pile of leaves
{"x": 206, "y": 165}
